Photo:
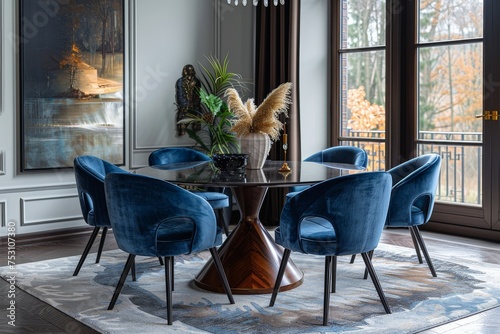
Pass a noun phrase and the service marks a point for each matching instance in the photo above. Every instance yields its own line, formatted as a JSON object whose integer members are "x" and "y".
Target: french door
{"x": 422, "y": 76}
{"x": 492, "y": 105}
{"x": 457, "y": 100}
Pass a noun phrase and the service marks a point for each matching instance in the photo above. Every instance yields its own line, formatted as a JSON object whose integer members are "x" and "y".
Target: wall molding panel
{"x": 3, "y": 215}
{"x": 2, "y": 158}
{"x": 58, "y": 187}
{"x": 42, "y": 210}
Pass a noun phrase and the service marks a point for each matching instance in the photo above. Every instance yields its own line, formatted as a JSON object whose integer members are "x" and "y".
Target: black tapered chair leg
{"x": 86, "y": 250}
{"x": 376, "y": 283}
{"x": 168, "y": 285}
{"x": 134, "y": 277}
{"x": 334, "y": 274}
{"x": 222, "y": 274}
{"x": 161, "y": 260}
{"x": 172, "y": 263}
{"x": 101, "y": 244}
{"x": 370, "y": 255}
{"x": 326, "y": 294}
{"x": 281, "y": 272}
{"x": 222, "y": 221}
{"x": 421, "y": 242}
{"x": 118, "y": 289}
{"x": 353, "y": 257}
{"x": 415, "y": 244}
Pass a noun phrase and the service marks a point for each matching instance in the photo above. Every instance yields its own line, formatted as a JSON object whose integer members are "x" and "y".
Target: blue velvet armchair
{"x": 340, "y": 216}
{"x": 339, "y": 154}
{"x": 412, "y": 198}
{"x": 152, "y": 217}
{"x": 219, "y": 200}
{"x": 90, "y": 172}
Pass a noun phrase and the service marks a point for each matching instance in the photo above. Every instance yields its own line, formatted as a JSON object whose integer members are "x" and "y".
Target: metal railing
{"x": 460, "y": 180}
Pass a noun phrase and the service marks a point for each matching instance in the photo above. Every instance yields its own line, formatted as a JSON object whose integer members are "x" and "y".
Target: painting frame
{"x": 71, "y": 82}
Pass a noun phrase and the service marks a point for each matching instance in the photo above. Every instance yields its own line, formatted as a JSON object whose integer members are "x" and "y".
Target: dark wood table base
{"x": 250, "y": 257}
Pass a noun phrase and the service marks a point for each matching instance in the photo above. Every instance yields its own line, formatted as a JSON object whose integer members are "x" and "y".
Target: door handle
{"x": 489, "y": 115}
{"x": 494, "y": 115}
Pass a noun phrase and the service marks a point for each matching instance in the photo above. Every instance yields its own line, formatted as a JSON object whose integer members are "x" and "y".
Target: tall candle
{"x": 285, "y": 136}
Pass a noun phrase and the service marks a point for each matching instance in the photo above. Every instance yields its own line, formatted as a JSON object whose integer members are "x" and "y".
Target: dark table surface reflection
{"x": 204, "y": 173}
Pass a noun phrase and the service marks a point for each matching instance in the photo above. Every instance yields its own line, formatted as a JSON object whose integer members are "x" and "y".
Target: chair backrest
{"x": 169, "y": 155}
{"x": 355, "y": 205}
{"x": 90, "y": 172}
{"x": 341, "y": 154}
{"x": 141, "y": 208}
{"x": 414, "y": 188}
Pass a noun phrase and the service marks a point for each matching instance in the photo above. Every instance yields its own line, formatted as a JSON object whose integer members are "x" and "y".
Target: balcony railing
{"x": 460, "y": 180}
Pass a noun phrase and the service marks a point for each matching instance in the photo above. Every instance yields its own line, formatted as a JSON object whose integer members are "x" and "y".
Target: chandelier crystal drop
{"x": 256, "y": 2}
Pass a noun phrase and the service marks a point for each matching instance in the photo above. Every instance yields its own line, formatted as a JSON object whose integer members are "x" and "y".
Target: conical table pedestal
{"x": 250, "y": 257}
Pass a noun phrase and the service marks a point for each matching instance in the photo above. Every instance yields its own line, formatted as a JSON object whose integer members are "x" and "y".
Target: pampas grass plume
{"x": 264, "y": 118}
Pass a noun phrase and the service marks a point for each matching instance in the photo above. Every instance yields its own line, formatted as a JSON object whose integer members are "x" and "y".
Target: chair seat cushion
{"x": 174, "y": 237}
{"x": 215, "y": 199}
{"x": 317, "y": 236}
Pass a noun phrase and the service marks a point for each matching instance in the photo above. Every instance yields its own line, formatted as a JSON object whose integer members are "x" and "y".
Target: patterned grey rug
{"x": 418, "y": 300}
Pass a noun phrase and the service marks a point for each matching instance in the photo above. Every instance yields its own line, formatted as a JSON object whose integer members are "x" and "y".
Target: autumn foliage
{"x": 364, "y": 115}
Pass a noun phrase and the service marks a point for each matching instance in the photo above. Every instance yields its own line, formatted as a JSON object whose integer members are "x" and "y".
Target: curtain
{"x": 277, "y": 62}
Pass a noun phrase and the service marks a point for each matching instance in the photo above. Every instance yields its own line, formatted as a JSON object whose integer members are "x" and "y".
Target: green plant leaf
{"x": 212, "y": 102}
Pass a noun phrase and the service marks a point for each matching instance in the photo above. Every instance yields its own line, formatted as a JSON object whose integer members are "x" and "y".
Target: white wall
{"x": 165, "y": 35}
{"x": 238, "y": 43}
{"x": 189, "y": 32}
{"x": 168, "y": 35}
{"x": 314, "y": 67}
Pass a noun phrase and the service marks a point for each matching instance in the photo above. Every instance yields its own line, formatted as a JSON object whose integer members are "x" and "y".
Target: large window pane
{"x": 363, "y": 74}
{"x": 450, "y": 95}
{"x": 365, "y": 23}
{"x": 450, "y": 20}
{"x": 363, "y": 94}
{"x": 450, "y": 88}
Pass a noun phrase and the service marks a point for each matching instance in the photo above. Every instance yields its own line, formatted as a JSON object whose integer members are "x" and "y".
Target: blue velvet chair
{"x": 152, "y": 217}
{"x": 412, "y": 198}
{"x": 219, "y": 200}
{"x": 338, "y": 154}
{"x": 340, "y": 216}
{"x": 90, "y": 172}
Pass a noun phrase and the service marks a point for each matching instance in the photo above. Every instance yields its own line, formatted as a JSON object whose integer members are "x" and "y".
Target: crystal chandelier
{"x": 256, "y": 2}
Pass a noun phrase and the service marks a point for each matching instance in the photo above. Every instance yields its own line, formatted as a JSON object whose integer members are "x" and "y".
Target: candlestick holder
{"x": 284, "y": 167}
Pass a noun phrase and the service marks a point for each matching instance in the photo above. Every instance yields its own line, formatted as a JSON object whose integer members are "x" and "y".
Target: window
{"x": 449, "y": 79}
{"x": 361, "y": 85}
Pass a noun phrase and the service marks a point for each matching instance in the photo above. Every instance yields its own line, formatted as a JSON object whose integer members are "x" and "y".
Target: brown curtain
{"x": 277, "y": 62}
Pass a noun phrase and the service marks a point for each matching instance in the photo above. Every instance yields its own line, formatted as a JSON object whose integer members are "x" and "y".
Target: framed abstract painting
{"x": 72, "y": 56}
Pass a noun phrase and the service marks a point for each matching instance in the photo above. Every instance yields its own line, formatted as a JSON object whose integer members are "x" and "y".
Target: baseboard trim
{"x": 36, "y": 237}
{"x": 463, "y": 231}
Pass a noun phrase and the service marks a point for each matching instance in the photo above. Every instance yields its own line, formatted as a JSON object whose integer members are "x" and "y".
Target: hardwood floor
{"x": 35, "y": 316}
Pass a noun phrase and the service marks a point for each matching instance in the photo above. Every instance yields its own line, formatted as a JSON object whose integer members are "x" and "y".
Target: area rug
{"x": 418, "y": 300}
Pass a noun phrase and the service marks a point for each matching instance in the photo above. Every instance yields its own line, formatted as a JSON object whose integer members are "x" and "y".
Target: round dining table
{"x": 249, "y": 255}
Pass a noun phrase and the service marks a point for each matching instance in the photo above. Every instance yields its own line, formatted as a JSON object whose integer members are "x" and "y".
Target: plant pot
{"x": 257, "y": 145}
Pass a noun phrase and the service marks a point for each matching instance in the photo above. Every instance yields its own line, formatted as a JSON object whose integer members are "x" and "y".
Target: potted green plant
{"x": 212, "y": 130}
{"x": 214, "y": 135}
